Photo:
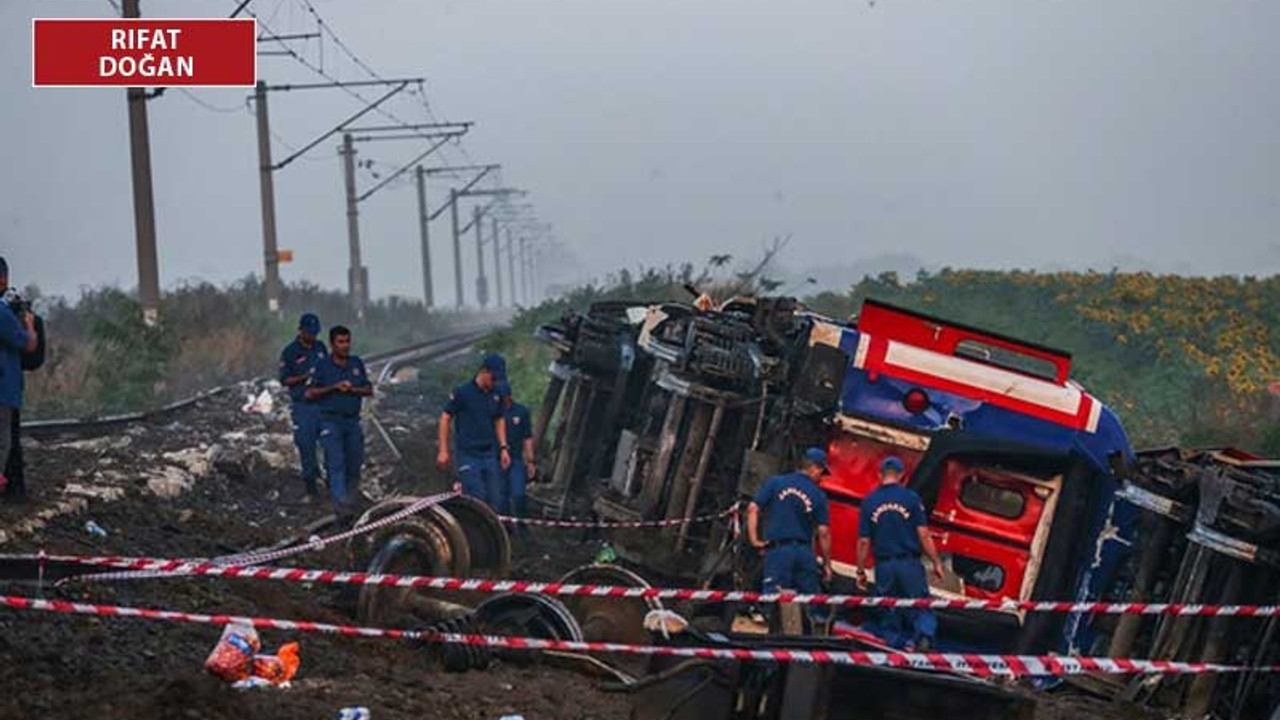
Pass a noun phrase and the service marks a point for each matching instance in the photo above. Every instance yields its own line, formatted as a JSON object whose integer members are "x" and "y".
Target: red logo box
{"x": 144, "y": 53}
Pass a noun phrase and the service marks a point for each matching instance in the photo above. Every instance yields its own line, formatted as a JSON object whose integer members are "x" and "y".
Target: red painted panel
{"x": 855, "y": 464}
{"x": 940, "y": 336}
{"x": 844, "y": 531}
{"x": 876, "y": 363}
{"x": 952, "y": 511}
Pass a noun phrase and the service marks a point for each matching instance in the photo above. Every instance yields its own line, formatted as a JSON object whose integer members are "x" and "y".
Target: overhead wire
{"x": 327, "y": 29}
{"x": 290, "y": 52}
{"x": 210, "y": 106}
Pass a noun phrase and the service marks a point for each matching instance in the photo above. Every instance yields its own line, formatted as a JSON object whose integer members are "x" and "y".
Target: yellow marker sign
{"x": 284, "y": 256}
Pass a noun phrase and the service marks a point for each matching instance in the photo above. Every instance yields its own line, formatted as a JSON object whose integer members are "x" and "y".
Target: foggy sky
{"x": 1037, "y": 133}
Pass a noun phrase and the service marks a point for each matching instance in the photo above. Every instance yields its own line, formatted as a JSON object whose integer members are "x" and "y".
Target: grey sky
{"x": 1040, "y": 133}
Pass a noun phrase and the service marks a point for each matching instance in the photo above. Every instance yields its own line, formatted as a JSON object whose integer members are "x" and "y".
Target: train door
{"x": 994, "y": 524}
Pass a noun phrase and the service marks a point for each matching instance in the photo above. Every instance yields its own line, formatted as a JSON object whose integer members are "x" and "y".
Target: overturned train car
{"x": 670, "y": 411}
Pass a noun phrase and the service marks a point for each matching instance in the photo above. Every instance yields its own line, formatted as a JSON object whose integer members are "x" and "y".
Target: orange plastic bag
{"x": 232, "y": 657}
{"x": 279, "y": 668}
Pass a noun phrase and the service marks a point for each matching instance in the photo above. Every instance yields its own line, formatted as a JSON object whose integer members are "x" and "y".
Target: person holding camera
{"x": 18, "y": 337}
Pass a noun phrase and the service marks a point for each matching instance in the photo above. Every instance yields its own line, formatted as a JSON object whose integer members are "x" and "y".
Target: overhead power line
{"x": 346, "y": 49}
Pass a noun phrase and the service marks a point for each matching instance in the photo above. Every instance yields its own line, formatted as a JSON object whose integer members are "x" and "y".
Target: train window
{"x": 1007, "y": 359}
{"x": 978, "y": 573}
{"x": 992, "y": 499}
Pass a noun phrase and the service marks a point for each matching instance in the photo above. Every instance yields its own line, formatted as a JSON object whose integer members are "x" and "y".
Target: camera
{"x": 16, "y": 302}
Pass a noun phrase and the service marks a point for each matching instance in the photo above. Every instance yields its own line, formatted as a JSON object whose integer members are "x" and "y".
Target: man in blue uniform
{"x": 523, "y": 460}
{"x": 482, "y": 450}
{"x": 296, "y": 362}
{"x": 338, "y": 384}
{"x": 892, "y": 524}
{"x": 795, "y": 509}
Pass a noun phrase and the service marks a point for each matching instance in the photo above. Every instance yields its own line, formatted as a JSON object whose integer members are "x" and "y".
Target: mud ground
{"x": 215, "y": 480}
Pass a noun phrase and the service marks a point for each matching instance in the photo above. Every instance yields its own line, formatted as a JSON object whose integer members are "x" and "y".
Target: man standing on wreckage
{"x": 796, "y": 513}
{"x": 482, "y": 453}
{"x": 892, "y": 526}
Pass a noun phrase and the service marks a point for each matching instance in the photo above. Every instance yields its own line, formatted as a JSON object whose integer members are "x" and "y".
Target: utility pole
{"x": 442, "y": 134}
{"x": 497, "y": 260}
{"x": 452, "y": 206}
{"x": 511, "y": 268}
{"x": 357, "y": 275}
{"x": 428, "y": 295}
{"x": 477, "y": 215}
{"x": 144, "y": 207}
{"x": 482, "y": 283}
{"x": 524, "y": 271}
{"x": 355, "y": 270}
{"x": 457, "y": 246}
{"x": 534, "y": 281}
{"x": 267, "y": 195}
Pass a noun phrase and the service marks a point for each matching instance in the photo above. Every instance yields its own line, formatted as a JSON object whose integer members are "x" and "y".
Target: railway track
{"x": 383, "y": 363}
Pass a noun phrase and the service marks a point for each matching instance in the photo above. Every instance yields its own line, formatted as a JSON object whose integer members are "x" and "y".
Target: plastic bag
{"x": 279, "y": 668}
{"x": 232, "y": 657}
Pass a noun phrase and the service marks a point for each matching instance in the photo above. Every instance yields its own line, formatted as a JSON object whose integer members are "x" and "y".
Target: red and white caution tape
{"x": 576, "y": 523}
{"x": 260, "y": 558}
{"x": 970, "y": 664}
{"x": 165, "y": 568}
{"x": 409, "y": 510}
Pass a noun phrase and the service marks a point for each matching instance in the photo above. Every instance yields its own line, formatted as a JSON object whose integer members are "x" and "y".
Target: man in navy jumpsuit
{"x": 523, "y": 458}
{"x": 296, "y": 362}
{"x": 892, "y": 524}
{"x": 482, "y": 450}
{"x": 338, "y": 384}
{"x": 795, "y": 509}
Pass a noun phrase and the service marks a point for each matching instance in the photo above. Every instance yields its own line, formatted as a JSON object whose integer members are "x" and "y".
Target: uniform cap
{"x": 892, "y": 463}
{"x": 496, "y": 364}
{"x": 817, "y": 456}
{"x": 309, "y": 323}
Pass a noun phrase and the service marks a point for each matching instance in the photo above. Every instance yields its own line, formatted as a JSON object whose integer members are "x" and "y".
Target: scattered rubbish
{"x": 232, "y": 658}
{"x": 666, "y": 622}
{"x": 95, "y": 529}
{"x": 280, "y": 668}
{"x": 354, "y": 713}
{"x": 263, "y": 404}
{"x": 511, "y": 717}
{"x": 606, "y": 554}
{"x": 254, "y": 682}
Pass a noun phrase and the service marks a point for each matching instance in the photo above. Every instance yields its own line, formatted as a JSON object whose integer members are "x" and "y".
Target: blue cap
{"x": 309, "y": 323}
{"x": 817, "y": 456}
{"x": 503, "y": 388}
{"x": 892, "y": 463}
{"x": 496, "y": 364}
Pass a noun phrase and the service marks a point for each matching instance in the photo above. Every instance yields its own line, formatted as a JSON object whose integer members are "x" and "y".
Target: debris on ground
{"x": 232, "y": 659}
